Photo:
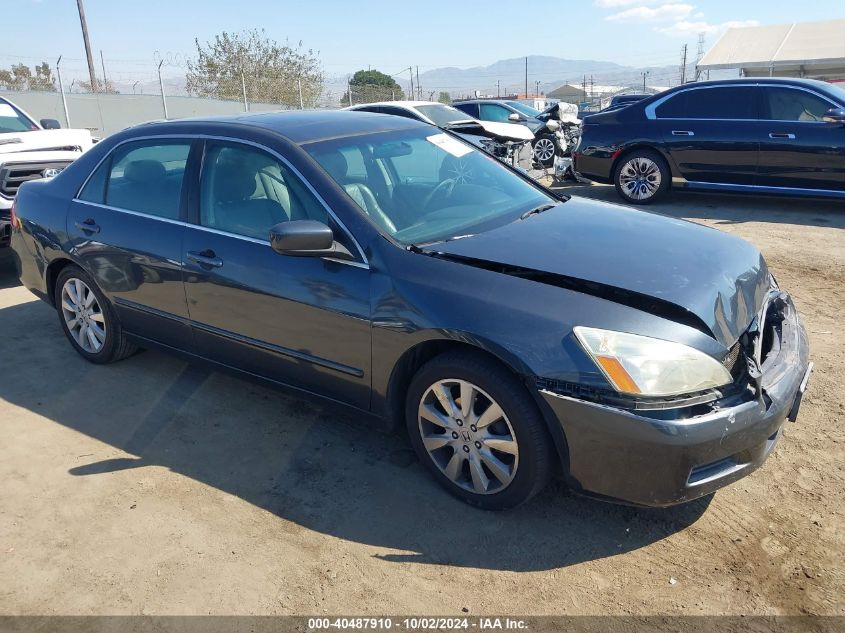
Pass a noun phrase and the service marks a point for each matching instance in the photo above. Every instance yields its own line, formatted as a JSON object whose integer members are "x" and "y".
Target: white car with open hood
{"x": 30, "y": 150}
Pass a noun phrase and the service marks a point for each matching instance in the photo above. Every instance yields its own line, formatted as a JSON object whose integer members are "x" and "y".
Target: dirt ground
{"x": 153, "y": 487}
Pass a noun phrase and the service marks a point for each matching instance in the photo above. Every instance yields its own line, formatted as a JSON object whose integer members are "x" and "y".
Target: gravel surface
{"x": 154, "y": 487}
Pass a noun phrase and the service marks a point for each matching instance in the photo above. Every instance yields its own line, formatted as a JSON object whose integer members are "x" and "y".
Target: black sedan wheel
{"x": 88, "y": 319}
{"x": 476, "y": 429}
{"x": 545, "y": 150}
{"x": 641, "y": 176}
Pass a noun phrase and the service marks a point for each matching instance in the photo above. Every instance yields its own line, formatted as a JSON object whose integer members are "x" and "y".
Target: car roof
{"x": 306, "y": 126}
{"x": 400, "y": 104}
{"x": 750, "y": 80}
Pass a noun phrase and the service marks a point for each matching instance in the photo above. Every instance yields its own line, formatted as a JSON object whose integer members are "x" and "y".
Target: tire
{"x": 515, "y": 444}
{"x": 98, "y": 316}
{"x": 545, "y": 144}
{"x": 641, "y": 176}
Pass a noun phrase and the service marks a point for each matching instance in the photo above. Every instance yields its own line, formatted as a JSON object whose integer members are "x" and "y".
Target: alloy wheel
{"x": 640, "y": 178}
{"x": 544, "y": 149}
{"x": 468, "y": 436}
{"x": 83, "y": 315}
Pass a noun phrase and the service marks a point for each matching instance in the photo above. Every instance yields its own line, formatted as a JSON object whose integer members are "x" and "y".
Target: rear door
{"x": 711, "y": 133}
{"x": 126, "y": 228}
{"x": 302, "y": 321}
{"x": 798, "y": 149}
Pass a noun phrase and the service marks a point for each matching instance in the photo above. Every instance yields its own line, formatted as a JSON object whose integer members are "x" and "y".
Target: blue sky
{"x": 387, "y": 35}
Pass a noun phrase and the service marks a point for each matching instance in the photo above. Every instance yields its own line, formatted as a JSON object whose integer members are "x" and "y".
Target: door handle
{"x": 682, "y": 133}
{"x": 206, "y": 258}
{"x": 791, "y": 137}
{"x": 88, "y": 226}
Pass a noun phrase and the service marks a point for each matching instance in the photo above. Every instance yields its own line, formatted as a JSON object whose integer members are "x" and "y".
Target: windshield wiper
{"x": 538, "y": 210}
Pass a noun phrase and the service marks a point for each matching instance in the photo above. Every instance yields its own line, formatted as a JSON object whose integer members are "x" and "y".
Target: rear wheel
{"x": 477, "y": 431}
{"x": 641, "y": 176}
{"x": 88, "y": 318}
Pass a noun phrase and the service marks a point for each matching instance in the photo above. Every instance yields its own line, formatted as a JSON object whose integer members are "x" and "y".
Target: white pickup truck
{"x": 30, "y": 150}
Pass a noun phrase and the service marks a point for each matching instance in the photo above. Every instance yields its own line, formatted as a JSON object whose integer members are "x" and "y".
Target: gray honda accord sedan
{"x": 389, "y": 266}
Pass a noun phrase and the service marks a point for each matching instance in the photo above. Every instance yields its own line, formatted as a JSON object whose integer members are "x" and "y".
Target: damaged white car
{"x": 505, "y": 141}
{"x": 31, "y": 150}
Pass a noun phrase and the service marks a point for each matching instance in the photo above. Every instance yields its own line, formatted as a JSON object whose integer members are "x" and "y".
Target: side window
{"x": 673, "y": 108}
{"x": 400, "y": 112}
{"x": 95, "y": 189}
{"x": 494, "y": 112}
{"x": 470, "y": 108}
{"x": 146, "y": 177}
{"x": 246, "y": 191}
{"x": 791, "y": 104}
{"x": 728, "y": 102}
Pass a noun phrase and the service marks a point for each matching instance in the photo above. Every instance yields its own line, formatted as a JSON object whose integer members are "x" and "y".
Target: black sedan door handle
{"x": 682, "y": 133}
{"x": 89, "y": 226}
{"x": 206, "y": 258}
{"x": 791, "y": 137}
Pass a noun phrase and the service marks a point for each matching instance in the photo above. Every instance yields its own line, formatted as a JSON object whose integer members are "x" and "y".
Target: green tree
{"x": 369, "y": 86}
{"x": 20, "y": 77}
{"x": 270, "y": 71}
{"x": 445, "y": 98}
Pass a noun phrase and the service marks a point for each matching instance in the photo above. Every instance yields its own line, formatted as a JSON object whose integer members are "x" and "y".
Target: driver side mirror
{"x": 835, "y": 115}
{"x": 50, "y": 124}
{"x": 514, "y": 117}
{"x": 306, "y": 238}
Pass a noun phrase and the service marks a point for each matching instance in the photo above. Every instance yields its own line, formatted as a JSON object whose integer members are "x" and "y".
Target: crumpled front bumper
{"x": 629, "y": 456}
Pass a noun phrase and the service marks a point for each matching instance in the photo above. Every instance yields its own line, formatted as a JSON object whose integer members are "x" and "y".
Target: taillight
{"x": 12, "y": 215}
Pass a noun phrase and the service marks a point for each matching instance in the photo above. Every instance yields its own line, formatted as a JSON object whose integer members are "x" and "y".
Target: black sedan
{"x": 769, "y": 136}
{"x": 387, "y": 265}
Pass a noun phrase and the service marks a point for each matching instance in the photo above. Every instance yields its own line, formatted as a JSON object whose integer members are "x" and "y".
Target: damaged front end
{"x": 660, "y": 452}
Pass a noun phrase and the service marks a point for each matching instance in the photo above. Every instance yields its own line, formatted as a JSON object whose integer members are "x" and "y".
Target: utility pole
{"x": 103, "y": 62}
{"x": 497, "y": 89}
{"x": 419, "y": 88}
{"x": 645, "y": 74}
{"x": 161, "y": 85}
{"x": 699, "y": 54}
{"x": 684, "y": 65}
{"x": 62, "y": 89}
{"x": 91, "y": 73}
{"x": 537, "y": 87}
{"x": 526, "y": 77}
{"x": 592, "y": 88}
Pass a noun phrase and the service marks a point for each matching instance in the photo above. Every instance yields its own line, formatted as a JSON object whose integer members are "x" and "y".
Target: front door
{"x": 711, "y": 134}
{"x": 126, "y": 228}
{"x": 797, "y": 148}
{"x": 302, "y": 321}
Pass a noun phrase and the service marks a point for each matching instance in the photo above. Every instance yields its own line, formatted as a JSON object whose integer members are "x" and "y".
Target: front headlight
{"x": 647, "y": 366}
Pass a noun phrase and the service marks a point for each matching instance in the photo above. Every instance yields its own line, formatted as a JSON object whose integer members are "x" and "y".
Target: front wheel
{"x": 641, "y": 176}
{"x": 477, "y": 431}
{"x": 545, "y": 150}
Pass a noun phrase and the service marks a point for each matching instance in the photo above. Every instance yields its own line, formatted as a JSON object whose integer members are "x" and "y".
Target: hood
{"x": 508, "y": 130}
{"x": 39, "y": 140}
{"x": 675, "y": 269}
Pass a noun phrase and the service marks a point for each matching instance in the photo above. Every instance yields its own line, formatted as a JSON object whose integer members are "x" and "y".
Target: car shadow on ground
{"x": 301, "y": 461}
{"x": 724, "y": 208}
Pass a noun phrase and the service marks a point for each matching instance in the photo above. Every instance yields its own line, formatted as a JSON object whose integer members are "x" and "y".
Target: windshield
{"x": 13, "y": 120}
{"x": 525, "y": 109}
{"x": 422, "y": 186}
{"x": 443, "y": 115}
